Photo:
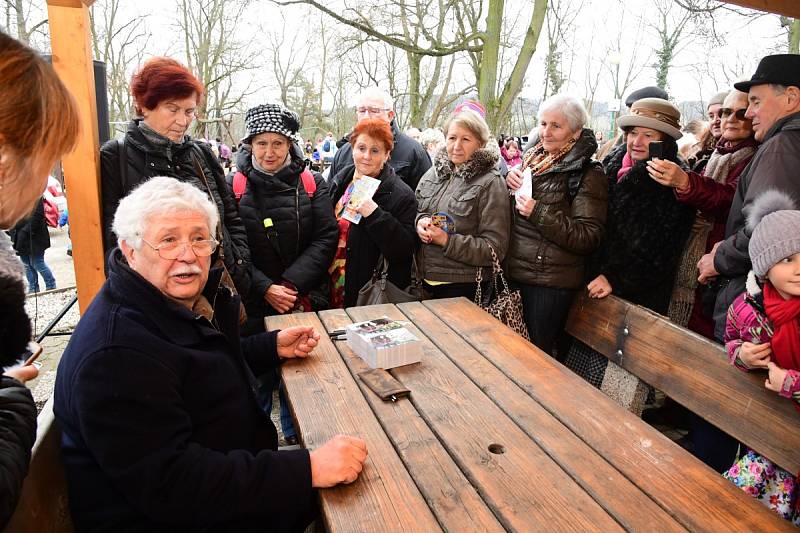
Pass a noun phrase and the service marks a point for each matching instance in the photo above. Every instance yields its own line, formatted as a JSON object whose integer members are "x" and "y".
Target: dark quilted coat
{"x": 551, "y": 246}
{"x": 305, "y": 229}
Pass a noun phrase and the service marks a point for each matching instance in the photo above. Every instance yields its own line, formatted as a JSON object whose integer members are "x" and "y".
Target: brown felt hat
{"x": 656, "y": 114}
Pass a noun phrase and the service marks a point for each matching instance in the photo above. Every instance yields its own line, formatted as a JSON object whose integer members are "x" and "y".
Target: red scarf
{"x": 785, "y": 317}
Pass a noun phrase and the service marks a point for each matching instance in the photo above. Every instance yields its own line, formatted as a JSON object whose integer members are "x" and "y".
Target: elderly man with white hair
{"x": 155, "y": 393}
{"x": 409, "y": 160}
{"x": 559, "y": 221}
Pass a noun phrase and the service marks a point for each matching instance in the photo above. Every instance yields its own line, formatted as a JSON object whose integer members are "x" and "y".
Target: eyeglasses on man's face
{"x": 371, "y": 110}
{"x": 172, "y": 249}
{"x": 725, "y": 112}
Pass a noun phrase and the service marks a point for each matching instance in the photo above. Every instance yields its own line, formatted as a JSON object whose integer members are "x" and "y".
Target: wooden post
{"x": 72, "y": 59}
{"x": 790, "y": 8}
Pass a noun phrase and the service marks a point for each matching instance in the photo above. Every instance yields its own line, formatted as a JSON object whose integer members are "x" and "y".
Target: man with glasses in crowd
{"x": 409, "y": 159}
{"x": 156, "y": 394}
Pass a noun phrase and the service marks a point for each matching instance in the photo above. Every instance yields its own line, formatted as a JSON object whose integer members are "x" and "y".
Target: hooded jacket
{"x": 302, "y": 238}
{"x": 551, "y": 246}
{"x": 476, "y": 198}
{"x": 145, "y": 161}
{"x": 409, "y": 159}
{"x": 388, "y": 231}
{"x": 161, "y": 428}
{"x": 774, "y": 166}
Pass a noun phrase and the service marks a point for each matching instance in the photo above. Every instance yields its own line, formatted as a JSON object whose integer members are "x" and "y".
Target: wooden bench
{"x": 43, "y": 506}
{"x": 695, "y": 372}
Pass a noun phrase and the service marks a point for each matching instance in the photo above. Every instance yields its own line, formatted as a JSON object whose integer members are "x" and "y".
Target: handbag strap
{"x": 497, "y": 271}
{"x": 198, "y": 168}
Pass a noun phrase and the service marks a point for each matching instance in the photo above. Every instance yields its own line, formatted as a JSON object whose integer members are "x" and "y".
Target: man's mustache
{"x": 189, "y": 269}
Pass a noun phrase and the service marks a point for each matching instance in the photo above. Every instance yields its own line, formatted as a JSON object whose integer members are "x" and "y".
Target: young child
{"x": 763, "y": 332}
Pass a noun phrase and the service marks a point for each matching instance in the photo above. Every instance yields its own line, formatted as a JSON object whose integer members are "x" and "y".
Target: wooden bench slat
{"x": 678, "y": 482}
{"x": 524, "y": 487}
{"x": 630, "y": 506}
{"x": 327, "y": 402}
{"x": 449, "y": 494}
{"x": 694, "y": 372}
{"x": 43, "y": 506}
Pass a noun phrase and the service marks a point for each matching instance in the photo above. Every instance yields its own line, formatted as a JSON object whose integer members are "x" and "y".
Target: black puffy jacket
{"x": 146, "y": 161}
{"x": 302, "y": 242}
{"x": 389, "y": 230}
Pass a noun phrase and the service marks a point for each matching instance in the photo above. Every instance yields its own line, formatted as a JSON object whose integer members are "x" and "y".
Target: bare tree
{"x": 479, "y": 38}
{"x": 120, "y": 43}
{"x": 215, "y": 54}
{"x": 792, "y": 27}
{"x": 560, "y": 23}
{"x": 25, "y": 20}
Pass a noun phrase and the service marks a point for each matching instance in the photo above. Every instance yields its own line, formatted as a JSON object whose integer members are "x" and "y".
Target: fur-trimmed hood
{"x": 482, "y": 161}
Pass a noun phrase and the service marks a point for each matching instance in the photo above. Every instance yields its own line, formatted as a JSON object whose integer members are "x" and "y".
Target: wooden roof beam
{"x": 790, "y": 8}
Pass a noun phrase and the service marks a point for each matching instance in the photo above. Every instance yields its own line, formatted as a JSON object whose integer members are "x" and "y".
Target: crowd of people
{"x": 164, "y": 392}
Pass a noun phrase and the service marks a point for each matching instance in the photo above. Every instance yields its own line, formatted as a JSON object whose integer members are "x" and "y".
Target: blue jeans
{"x": 34, "y": 264}
{"x": 270, "y": 382}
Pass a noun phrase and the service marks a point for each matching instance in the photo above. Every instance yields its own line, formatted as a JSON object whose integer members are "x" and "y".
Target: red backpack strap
{"x": 308, "y": 182}
{"x": 239, "y": 185}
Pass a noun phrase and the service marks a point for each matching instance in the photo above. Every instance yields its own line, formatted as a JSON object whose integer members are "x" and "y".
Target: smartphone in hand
{"x": 656, "y": 150}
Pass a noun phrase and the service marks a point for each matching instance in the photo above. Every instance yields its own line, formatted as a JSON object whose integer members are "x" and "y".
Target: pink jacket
{"x": 747, "y": 322}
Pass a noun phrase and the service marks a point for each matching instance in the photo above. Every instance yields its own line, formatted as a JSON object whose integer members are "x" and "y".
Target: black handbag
{"x": 379, "y": 290}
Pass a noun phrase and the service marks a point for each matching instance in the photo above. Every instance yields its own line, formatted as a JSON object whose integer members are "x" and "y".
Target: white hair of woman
{"x": 431, "y": 136}
{"x": 376, "y": 93}
{"x": 160, "y": 195}
{"x": 569, "y": 106}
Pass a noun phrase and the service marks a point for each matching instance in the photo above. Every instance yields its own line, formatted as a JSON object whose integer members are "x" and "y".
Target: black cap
{"x": 780, "y": 69}
{"x": 646, "y": 92}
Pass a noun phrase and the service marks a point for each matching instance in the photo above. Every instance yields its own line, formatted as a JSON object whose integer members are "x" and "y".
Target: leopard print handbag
{"x": 505, "y": 305}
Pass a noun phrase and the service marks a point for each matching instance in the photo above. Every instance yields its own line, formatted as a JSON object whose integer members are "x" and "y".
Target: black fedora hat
{"x": 779, "y": 69}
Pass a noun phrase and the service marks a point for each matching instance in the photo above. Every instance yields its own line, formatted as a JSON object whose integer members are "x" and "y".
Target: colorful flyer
{"x": 363, "y": 190}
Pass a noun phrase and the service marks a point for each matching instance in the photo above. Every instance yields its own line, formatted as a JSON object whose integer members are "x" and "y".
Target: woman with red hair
{"x": 166, "y": 96}
{"x": 386, "y": 228}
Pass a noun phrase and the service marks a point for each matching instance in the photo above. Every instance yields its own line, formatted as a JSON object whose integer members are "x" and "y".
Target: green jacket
{"x": 476, "y": 198}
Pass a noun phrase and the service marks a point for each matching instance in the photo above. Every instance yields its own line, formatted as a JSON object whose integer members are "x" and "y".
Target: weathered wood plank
{"x": 451, "y": 497}
{"x": 695, "y": 372}
{"x": 630, "y": 506}
{"x": 523, "y": 486}
{"x": 43, "y": 506}
{"x": 679, "y": 483}
{"x": 326, "y": 401}
{"x": 790, "y": 8}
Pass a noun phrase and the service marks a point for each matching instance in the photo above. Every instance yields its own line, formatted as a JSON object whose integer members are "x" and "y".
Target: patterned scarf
{"x": 337, "y": 268}
{"x": 540, "y": 161}
{"x": 722, "y": 161}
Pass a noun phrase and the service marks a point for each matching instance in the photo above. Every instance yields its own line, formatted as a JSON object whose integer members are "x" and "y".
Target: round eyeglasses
{"x": 172, "y": 250}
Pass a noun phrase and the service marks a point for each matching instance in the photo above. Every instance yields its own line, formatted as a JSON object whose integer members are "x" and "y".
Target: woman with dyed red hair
{"x": 166, "y": 96}
{"x": 387, "y": 227}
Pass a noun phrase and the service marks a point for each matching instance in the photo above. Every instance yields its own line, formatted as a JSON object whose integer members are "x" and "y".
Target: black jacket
{"x": 161, "y": 429}
{"x": 146, "y": 161}
{"x": 389, "y": 230}
{"x": 302, "y": 240}
{"x": 409, "y": 159}
{"x": 773, "y": 167}
{"x": 31, "y": 236}
{"x": 645, "y": 233}
{"x": 17, "y": 410}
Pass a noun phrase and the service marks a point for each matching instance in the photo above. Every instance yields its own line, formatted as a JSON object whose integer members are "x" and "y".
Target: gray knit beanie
{"x": 776, "y": 230}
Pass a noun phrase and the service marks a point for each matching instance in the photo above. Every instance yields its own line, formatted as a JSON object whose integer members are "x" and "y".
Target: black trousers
{"x": 545, "y": 310}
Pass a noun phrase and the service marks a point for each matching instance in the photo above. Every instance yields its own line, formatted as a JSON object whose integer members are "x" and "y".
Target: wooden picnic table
{"x": 496, "y": 435}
